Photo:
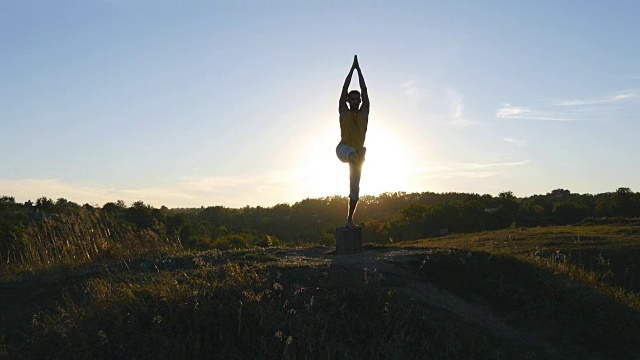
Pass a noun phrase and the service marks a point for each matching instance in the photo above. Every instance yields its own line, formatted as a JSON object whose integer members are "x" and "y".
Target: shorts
{"x": 343, "y": 152}
{"x": 355, "y": 170}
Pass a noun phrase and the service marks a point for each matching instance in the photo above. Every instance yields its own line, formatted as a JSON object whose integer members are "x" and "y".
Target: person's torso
{"x": 353, "y": 128}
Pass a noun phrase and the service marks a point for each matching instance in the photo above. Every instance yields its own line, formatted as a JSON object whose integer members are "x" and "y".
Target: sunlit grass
{"x": 559, "y": 293}
{"x": 234, "y": 311}
{"x": 80, "y": 238}
{"x": 604, "y": 257}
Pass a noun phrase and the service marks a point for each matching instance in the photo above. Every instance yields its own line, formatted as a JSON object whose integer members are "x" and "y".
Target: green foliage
{"x": 387, "y": 218}
{"x": 45, "y": 205}
{"x": 233, "y": 241}
{"x": 116, "y": 209}
{"x": 574, "y": 287}
{"x": 140, "y": 214}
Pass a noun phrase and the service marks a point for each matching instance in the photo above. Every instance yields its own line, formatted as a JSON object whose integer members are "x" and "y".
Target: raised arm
{"x": 363, "y": 89}
{"x": 342, "y": 104}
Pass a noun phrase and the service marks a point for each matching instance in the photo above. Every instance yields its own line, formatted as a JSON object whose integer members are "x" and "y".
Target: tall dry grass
{"x": 86, "y": 236}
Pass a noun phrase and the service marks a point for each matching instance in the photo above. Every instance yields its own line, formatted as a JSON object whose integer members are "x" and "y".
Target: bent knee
{"x": 344, "y": 152}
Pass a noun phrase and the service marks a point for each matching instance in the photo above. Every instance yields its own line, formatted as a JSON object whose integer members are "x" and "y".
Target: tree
{"x": 64, "y": 206}
{"x": 507, "y": 209}
{"x": 45, "y": 205}
{"x": 117, "y": 209}
{"x": 140, "y": 214}
{"x": 622, "y": 203}
{"x": 566, "y": 213}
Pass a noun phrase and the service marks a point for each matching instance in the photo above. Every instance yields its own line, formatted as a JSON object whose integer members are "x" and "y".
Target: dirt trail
{"x": 26, "y": 297}
{"x": 394, "y": 262}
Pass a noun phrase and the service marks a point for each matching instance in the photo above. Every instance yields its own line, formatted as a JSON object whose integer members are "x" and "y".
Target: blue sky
{"x": 196, "y": 103}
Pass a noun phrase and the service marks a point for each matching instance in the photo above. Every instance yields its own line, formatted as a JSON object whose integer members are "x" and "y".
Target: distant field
{"x": 608, "y": 254}
{"x": 535, "y": 293}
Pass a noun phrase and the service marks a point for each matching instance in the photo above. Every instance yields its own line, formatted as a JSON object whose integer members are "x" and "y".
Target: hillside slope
{"x": 469, "y": 297}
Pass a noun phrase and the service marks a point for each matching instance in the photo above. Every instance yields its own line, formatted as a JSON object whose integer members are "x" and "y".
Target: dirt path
{"x": 394, "y": 262}
{"x": 24, "y": 298}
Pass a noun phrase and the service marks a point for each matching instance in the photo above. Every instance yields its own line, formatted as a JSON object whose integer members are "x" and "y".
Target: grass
{"x": 252, "y": 311}
{"x": 577, "y": 320}
{"x": 88, "y": 236}
{"x": 604, "y": 256}
{"x": 539, "y": 293}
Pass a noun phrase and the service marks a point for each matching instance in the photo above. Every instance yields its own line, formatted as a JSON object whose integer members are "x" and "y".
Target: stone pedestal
{"x": 348, "y": 240}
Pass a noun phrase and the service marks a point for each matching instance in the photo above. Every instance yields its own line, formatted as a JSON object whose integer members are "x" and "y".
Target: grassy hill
{"x": 536, "y": 293}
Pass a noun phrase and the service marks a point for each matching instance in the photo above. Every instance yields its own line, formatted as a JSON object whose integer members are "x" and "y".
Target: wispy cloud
{"x": 476, "y": 166}
{"x": 508, "y": 111}
{"x": 457, "y": 114}
{"x": 213, "y": 184}
{"x": 31, "y": 189}
{"x": 247, "y": 189}
{"x": 467, "y": 170}
{"x": 233, "y": 191}
{"x": 445, "y": 103}
{"x": 514, "y": 141}
{"x": 621, "y": 96}
{"x": 574, "y": 109}
{"x": 411, "y": 90}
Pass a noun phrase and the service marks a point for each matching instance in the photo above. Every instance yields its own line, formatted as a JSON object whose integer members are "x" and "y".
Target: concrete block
{"x": 348, "y": 240}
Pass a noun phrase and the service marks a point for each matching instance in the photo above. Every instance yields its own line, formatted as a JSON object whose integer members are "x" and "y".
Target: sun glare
{"x": 387, "y": 167}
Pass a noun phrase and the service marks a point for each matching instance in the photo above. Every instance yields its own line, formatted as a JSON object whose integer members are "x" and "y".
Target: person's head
{"x": 354, "y": 99}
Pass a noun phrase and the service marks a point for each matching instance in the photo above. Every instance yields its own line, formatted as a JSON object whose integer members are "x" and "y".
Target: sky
{"x": 234, "y": 103}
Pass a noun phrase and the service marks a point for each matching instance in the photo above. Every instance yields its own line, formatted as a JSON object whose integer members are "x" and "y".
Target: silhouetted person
{"x": 353, "y": 129}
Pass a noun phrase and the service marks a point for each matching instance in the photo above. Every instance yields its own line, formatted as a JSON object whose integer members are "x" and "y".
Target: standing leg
{"x": 352, "y": 209}
{"x": 355, "y": 171}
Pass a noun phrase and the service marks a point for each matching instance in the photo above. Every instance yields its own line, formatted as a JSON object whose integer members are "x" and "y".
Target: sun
{"x": 387, "y": 167}
{"x": 388, "y": 163}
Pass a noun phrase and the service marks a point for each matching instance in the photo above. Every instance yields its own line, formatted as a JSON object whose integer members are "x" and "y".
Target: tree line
{"x": 387, "y": 218}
